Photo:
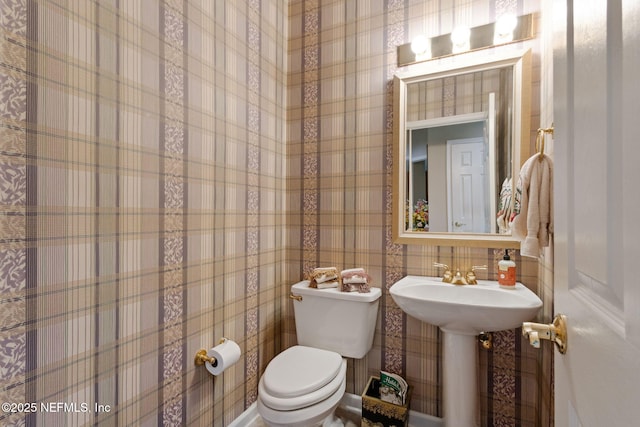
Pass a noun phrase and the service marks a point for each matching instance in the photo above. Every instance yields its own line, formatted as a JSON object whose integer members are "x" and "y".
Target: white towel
{"x": 322, "y": 275}
{"x": 533, "y": 211}
{"x": 354, "y": 275}
{"x": 327, "y": 285}
{"x": 355, "y": 279}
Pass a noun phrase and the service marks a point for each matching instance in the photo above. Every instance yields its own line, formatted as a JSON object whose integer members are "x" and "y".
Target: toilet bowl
{"x": 302, "y": 386}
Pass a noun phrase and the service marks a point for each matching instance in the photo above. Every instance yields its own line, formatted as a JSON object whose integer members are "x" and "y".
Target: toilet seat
{"x": 301, "y": 376}
{"x": 304, "y": 417}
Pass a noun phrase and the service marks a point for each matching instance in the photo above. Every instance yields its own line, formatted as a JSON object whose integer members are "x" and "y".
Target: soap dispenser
{"x": 507, "y": 272}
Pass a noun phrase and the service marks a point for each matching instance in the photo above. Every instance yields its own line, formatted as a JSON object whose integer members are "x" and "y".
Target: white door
{"x": 467, "y": 182}
{"x": 597, "y": 217}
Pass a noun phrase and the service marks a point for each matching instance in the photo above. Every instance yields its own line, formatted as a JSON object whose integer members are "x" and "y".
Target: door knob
{"x": 459, "y": 224}
{"x": 555, "y": 332}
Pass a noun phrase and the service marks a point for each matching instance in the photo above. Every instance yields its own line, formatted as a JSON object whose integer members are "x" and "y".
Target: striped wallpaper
{"x": 142, "y": 181}
{"x": 339, "y": 126}
{"x": 168, "y": 168}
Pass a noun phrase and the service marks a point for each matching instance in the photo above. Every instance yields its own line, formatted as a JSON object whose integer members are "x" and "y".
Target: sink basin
{"x": 468, "y": 309}
{"x": 462, "y": 312}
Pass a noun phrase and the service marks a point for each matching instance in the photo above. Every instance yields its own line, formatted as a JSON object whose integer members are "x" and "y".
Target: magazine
{"x": 393, "y": 388}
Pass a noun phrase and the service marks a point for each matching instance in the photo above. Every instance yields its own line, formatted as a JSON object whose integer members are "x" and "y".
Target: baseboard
{"x": 351, "y": 403}
{"x": 247, "y": 418}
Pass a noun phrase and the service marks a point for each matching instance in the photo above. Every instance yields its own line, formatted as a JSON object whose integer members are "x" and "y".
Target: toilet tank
{"x": 344, "y": 322}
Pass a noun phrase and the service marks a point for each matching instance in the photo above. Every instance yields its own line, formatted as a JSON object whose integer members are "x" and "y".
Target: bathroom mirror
{"x": 461, "y": 133}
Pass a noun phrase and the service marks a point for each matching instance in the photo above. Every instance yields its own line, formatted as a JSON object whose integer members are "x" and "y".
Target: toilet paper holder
{"x": 201, "y": 356}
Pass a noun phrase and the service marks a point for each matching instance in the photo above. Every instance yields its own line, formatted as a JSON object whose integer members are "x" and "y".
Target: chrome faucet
{"x": 457, "y": 278}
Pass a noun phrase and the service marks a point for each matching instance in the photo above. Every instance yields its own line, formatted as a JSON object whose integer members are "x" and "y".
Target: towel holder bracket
{"x": 540, "y": 139}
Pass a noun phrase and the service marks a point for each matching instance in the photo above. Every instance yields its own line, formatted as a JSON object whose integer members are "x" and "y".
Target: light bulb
{"x": 504, "y": 27}
{"x": 419, "y": 45}
{"x": 506, "y": 24}
{"x": 460, "y": 39}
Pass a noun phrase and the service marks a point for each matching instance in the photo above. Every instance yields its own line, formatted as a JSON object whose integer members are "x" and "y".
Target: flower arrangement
{"x": 420, "y": 215}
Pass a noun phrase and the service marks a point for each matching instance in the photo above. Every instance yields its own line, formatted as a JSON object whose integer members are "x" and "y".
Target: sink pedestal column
{"x": 460, "y": 383}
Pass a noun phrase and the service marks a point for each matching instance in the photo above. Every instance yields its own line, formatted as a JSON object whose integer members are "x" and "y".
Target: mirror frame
{"x": 521, "y": 63}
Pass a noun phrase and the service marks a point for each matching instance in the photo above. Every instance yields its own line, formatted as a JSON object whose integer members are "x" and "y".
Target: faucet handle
{"x": 447, "y": 276}
{"x": 471, "y": 274}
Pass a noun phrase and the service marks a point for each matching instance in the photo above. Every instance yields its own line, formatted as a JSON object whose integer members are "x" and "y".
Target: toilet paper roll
{"x": 226, "y": 354}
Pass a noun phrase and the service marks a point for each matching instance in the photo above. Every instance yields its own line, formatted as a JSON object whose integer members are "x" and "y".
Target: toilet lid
{"x": 300, "y": 370}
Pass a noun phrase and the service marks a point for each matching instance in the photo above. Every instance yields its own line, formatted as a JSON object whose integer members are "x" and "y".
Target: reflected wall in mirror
{"x": 460, "y": 136}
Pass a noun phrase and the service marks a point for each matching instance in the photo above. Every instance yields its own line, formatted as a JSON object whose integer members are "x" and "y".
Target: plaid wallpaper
{"x": 339, "y": 126}
{"x": 168, "y": 168}
{"x": 142, "y": 189}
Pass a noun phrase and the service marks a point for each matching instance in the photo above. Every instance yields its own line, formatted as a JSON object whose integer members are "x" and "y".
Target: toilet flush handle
{"x": 295, "y": 297}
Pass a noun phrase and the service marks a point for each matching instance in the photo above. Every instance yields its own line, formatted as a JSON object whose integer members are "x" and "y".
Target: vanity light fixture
{"x": 507, "y": 29}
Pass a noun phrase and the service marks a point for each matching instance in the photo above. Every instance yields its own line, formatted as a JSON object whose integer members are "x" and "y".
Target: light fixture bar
{"x": 482, "y": 37}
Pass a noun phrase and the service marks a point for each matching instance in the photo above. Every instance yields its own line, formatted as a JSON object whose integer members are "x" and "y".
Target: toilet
{"x": 303, "y": 385}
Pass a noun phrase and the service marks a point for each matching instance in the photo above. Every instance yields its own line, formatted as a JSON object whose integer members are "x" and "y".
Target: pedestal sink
{"x": 462, "y": 312}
